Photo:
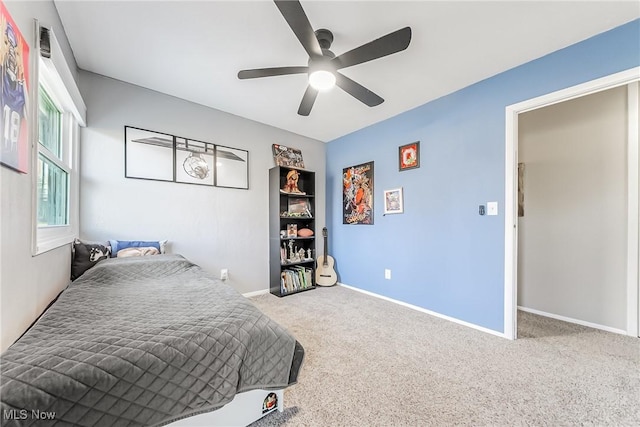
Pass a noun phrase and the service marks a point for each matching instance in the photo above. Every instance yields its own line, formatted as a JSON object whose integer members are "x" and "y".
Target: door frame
{"x": 629, "y": 77}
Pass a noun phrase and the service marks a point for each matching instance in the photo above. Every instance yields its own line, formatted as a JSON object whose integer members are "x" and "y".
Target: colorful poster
{"x": 357, "y": 194}
{"x": 14, "y": 129}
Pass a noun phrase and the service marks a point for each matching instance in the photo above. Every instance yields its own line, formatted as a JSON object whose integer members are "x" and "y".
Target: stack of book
{"x": 296, "y": 279}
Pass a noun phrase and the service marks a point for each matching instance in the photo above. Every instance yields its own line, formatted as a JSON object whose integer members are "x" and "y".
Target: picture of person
{"x": 14, "y": 54}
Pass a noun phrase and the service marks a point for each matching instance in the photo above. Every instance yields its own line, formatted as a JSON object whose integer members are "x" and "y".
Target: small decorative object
{"x": 291, "y": 186}
{"x": 409, "y": 156}
{"x": 393, "y": 203}
{"x": 283, "y": 234}
{"x": 305, "y": 232}
{"x": 14, "y": 137}
{"x": 357, "y": 194}
{"x": 290, "y": 250}
{"x": 292, "y": 230}
{"x": 288, "y": 157}
{"x": 309, "y": 253}
{"x": 299, "y": 207}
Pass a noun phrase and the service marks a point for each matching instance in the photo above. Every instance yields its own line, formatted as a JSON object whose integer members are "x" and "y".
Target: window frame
{"x": 46, "y": 238}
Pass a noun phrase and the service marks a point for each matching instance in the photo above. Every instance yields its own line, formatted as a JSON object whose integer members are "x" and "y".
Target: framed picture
{"x": 194, "y": 162}
{"x": 357, "y": 194}
{"x": 393, "y": 203}
{"x": 148, "y": 154}
{"x": 287, "y": 157}
{"x": 163, "y": 157}
{"x": 232, "y": 167}
{"x": 409, "y": 156}
{"x": 14, "y": 138}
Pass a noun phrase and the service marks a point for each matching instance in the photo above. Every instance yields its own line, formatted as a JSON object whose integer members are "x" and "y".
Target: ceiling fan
{"x": 323, "y": 65}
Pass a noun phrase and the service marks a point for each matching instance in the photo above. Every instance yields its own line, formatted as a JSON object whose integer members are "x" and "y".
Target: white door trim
{"x": 633, "y": 303}
{"x": 510, "y": 199}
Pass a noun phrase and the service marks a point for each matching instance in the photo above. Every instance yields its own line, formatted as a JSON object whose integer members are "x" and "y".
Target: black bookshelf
{"x": 291, "y": 209}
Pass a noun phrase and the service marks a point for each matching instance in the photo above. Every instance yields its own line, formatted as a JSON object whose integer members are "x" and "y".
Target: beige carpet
{"x": 370, "y": 362}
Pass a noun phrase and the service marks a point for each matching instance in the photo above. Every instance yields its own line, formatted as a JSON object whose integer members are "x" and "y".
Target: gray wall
{"x": 27, "y": 283}
{"x": 213, "y": 227}
{"x": 572, "y": 238}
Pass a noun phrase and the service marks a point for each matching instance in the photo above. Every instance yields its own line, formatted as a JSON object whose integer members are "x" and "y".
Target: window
{"x": 60, "y": 112}
{"x": 53, "y": 171}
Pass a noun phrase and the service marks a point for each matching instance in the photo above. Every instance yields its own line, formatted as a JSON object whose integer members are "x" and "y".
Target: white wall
{"x": 213, "y": 227}
{"x": 27, "y": 284}
{"x": 572, "y": 238}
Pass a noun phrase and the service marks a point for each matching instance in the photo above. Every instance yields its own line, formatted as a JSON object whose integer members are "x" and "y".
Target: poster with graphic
{"x": 14, "y": 129}
{"x": 357, "y": 194}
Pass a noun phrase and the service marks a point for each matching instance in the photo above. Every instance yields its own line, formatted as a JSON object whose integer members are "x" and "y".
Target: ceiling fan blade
{"x": 296, "y": 18}
{"x": 270, "y": 72}
{"x": 358, "y": 91}
{"x": 386, "y": 45}
{"x": 307, "y": 101}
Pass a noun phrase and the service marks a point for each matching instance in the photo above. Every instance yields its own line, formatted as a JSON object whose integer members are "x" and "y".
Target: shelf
{"x": 285, "y": 277}
{"x": 289, "y": 264}
{"x": 298, "y": 291}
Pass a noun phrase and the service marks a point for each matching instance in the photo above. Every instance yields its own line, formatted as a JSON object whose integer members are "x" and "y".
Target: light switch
{"x": 492, "y": 208}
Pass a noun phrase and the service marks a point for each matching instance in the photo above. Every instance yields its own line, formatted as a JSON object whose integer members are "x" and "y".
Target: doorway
{"x": 630, "y": 297}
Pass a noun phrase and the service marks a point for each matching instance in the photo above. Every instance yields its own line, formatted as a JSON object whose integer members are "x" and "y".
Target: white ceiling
{"x": 194, "y": 50}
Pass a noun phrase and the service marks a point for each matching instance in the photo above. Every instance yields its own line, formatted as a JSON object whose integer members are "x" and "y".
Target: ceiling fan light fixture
{"x": 322, "y": 80}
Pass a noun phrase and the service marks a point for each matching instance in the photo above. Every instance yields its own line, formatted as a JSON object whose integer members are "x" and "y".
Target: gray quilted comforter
{"x": 141, "y": 341}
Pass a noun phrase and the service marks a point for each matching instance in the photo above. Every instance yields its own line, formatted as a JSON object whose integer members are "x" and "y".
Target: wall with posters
{"x": 444, "y": 256}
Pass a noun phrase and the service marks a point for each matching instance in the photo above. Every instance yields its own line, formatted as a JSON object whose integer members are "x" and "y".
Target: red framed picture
{"x": 409, "y": 156}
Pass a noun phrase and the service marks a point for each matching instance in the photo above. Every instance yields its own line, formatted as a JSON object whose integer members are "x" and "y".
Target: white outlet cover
{"x": 492, "y": 208}
{"x": 387, "y": 274}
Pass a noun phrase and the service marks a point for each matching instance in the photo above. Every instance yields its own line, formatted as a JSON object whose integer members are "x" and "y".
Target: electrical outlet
{"x": 492, "y": 208}
{"x": 387, "y": 274}
{"x": 224, "y": 274}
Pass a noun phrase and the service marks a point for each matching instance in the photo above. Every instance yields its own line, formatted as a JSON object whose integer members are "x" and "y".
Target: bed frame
{"x": 243, "y": 410}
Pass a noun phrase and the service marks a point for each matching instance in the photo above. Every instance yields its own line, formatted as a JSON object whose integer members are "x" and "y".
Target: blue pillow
{"x": 117, "y": 245}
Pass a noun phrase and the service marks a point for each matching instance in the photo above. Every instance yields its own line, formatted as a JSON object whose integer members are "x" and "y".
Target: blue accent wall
{"x": 443, "y": 256}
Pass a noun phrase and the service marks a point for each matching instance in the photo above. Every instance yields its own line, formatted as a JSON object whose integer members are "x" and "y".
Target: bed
{"x": 146, "y": 341}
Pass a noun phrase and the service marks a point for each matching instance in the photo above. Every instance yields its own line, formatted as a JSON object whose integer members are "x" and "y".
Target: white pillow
{"x": 144, "y": 251}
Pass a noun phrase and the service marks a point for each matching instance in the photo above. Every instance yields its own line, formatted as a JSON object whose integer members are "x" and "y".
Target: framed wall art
{"x": 393, "y": 202}
{"x": 148, "y": 154}
{"x": 14, "y": 122}
{"x": 194, "y": 162}
{"x": 232, "y": 167}
{"x": 163, "y": 157}
{"x": 357, "y": 194}
{"x": 409, "y": 156}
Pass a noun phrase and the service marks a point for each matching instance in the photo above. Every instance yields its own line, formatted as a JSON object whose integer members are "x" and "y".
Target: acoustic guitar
{"x": 325, "y": 274}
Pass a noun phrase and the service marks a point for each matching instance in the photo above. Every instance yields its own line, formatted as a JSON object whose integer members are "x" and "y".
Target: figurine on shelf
{"x": 309, "y": 253}
{"x": 292, "y": 183}
{"x": 290, "y": 259}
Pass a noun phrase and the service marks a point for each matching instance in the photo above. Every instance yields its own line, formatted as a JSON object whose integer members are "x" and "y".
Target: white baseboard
{"x": 256, "y": 293}
{"x": 429, "y": 312}
{"x": 571, "y": 320}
